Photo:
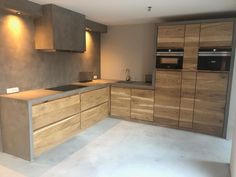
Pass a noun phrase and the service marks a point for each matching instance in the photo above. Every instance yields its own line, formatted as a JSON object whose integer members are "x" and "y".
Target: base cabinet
{"x": 94, "y": 115}
{"x": 50, "y": 136}
{"x": 142, "y": 104}
{"x": 167, "y": 98}
{"x": 210, "y": 100}
{"x": 120, "y": 102}
{"x": 188, "y": 86}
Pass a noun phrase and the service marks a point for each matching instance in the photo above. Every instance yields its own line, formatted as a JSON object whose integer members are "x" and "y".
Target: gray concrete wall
{"x": 24, "y": 67}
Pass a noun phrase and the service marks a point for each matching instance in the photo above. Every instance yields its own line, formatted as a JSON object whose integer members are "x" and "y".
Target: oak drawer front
{"x": 94, "y": 98}
{"x": 94, "y": 115}
{"x": 53, "y": 111}
{"x": 52, "y": 135}
{"x": 142, "y": 104}
{"x": 120, "y": 102}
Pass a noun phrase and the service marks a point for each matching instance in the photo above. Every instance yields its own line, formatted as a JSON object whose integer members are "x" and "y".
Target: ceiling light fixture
{"x": 18, "y": 13}
{"x": 149, "y": 8}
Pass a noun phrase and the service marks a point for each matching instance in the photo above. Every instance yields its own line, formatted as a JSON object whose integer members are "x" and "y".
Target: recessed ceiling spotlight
{"x": 149, "y": 8}
{"x": 18, "y": 13}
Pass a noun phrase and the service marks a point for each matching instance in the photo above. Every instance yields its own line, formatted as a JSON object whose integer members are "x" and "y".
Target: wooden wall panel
{"x": 142, "y": 104}
{"x": 210, "y": 100}
{"x": 167, "y": 98}
{"x": 187, "y": 99}
{"x": 120, "y": 102}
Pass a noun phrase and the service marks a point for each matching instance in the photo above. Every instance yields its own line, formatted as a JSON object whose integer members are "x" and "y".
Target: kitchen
{"x": 43, "y": 47}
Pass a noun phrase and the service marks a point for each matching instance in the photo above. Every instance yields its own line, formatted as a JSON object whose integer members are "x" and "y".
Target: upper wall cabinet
{"x": 216, "y": 34}
{"x": 60, "y": 29}
{"x": 171, "y": 36}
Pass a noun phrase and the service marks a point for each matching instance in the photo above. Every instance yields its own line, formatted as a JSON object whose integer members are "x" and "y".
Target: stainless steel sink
{"x": 66, "y": 87}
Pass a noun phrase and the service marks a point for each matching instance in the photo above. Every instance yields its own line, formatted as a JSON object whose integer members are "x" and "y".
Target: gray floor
{"x": 115, "y": 148}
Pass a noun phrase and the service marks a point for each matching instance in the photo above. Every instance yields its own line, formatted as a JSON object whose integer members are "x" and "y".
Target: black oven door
{"x": 169, "y": 62}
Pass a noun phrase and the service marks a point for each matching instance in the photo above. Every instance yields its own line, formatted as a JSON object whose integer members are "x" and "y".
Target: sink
{"x": 66, "y": 87}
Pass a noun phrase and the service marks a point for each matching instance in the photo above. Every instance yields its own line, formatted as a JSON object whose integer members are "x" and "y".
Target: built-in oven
{"x": 214, "y": 59}
{"x": 169, "y": 58}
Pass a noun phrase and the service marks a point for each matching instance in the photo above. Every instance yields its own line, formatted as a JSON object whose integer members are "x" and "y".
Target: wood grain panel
{"x": 120, "y": 102}
{"x": 167, "y": 98}
{"x": 94, "y": 115}
{"x": 187, "y": 99}
{"x": 50, "y": 136}
{"x": 216, "y": 34}
{"x": 190, "y": 58}
{"x": 53, "y": 111}
{"x": 171, "y": 36}
{"x": 192, "y": 35}
{"x": 94, "y": 98}
{"x": 142, "y": 104}
{"x": 211, "y": 90}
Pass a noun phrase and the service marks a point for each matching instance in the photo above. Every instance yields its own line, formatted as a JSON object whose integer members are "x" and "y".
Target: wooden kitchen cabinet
{"x": 94, "y": 115}
{"x": 50, "y": 112}
{"x": 191, "y": 47}
{"x": 216, "y": 34}
{"x": 142, "y": 104}
{"x": 171, "y": 36}
{"x": 167, "y": 98}
{"x": 93, "y": 98}
{"x": 188, "y": 87}
{"x": 52, "y": 135}
{"x": 120, "y": 102}
{"x": 210, "y": 100}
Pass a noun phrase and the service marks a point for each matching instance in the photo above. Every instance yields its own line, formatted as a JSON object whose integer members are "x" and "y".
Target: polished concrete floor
{"x": 116, "y": 148}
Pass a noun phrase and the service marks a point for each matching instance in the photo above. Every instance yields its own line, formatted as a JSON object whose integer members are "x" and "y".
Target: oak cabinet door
{"x": 216, "y": 34}
{"x": 171, "y": 36}
{"x": 120, "y": 102}
{"x": 167, "y": 98}
{"x": 191, "y": 47}
{"x": 210, "y": 100}
{"x": 142, "y": 103}
{"x": 187, "y": 99}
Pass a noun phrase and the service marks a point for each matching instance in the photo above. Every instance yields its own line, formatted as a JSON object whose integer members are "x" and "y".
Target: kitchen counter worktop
{"x": 42, "y": 95}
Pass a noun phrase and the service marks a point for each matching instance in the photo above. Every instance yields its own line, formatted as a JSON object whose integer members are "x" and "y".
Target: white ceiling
{"x": 117, "y": 12}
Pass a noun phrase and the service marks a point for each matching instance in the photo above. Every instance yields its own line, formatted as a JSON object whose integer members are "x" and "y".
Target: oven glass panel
{"x": 169, "y": 60}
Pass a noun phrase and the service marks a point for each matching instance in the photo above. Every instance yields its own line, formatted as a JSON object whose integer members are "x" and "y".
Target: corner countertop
{"x": 42, "y": 95}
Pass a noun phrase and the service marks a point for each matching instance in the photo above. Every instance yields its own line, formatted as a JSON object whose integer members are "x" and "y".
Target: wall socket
{"x": 13, "y": 90}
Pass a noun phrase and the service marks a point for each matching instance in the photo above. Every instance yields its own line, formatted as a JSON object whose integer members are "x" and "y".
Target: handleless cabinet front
{"x": 171, "y": 36}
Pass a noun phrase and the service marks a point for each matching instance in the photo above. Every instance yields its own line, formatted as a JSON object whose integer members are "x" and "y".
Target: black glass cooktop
{"x": 66, "y": 87}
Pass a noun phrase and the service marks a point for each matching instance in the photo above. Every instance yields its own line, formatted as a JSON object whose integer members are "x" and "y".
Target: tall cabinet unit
{"x": 167, "y": 98}
{"x": 190, "y": 98}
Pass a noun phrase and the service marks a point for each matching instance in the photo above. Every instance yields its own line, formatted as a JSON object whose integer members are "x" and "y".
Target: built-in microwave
{"x": 214, "y": 59}
{"x": 169, "y": 58}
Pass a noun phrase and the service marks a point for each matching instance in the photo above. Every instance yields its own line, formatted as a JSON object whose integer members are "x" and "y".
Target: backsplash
{"x": 24, "y": 67}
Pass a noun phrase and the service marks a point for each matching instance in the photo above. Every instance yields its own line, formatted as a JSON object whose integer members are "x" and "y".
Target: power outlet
{"x": 13, "y": 90}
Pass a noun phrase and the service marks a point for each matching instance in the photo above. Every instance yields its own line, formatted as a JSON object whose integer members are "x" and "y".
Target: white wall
{"x": 128, "y": 46}
{"x": 233, "y": 156}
